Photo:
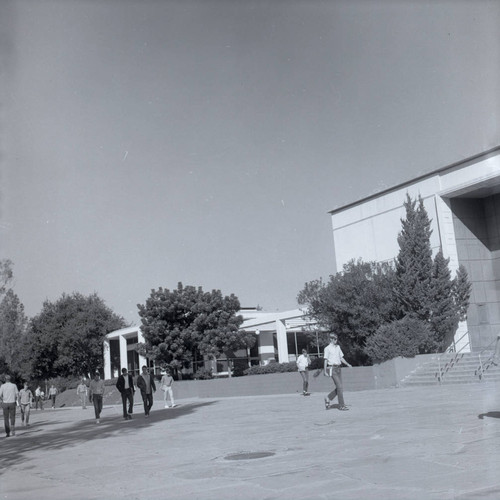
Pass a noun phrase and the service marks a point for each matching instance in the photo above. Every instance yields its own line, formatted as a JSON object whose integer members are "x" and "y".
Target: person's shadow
{"x": 491, "y": 414}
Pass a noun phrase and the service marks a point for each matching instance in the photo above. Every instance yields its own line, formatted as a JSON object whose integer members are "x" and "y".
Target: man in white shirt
{"x": 334, "y": 358}
{"x": 303, "y": 362}
{"x": 96, "y": 395}
{"x": 9, "y": 395}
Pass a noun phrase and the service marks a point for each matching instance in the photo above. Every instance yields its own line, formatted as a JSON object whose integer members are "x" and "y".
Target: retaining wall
{"x": 358, "y": 378}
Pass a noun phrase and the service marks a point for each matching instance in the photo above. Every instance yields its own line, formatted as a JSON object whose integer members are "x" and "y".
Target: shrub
{"x": 272, "y": 368}
{"x": 203, "y": 374}
{"x": 317, "y": 364}
{"x": 406, "y": 337}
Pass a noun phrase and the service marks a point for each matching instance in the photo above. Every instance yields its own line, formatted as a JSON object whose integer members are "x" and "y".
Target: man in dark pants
{"x": 147, "y": 386}
{"x": 125, "y": 385}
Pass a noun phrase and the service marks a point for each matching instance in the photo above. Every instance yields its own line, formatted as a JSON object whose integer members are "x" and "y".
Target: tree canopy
{"x": 353, "y": 303}
{"x": 179, "y": 324}
{"x": 66, "y": 337}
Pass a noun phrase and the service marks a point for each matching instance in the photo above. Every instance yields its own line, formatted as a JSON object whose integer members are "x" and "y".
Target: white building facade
{"x": 280, "y": 336}
{"x": 463, "y": 203}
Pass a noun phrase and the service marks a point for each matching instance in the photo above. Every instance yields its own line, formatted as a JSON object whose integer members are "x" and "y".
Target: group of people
{"x": 125, "y": 385}
{"x": 333, "y": 361}
{"x": 12, "y": 398}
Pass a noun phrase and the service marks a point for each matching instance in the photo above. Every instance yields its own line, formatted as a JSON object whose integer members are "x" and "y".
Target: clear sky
{"x": 149, "y": 142}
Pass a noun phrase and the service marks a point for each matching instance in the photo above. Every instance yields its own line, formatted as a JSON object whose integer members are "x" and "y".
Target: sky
{"x": 146, "y": 143}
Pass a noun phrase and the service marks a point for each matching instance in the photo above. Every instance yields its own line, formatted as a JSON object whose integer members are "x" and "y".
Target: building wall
{"x": 477, "y": 228}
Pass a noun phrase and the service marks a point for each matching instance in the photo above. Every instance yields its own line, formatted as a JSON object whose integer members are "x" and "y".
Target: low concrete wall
{"x": 358, "y": 378}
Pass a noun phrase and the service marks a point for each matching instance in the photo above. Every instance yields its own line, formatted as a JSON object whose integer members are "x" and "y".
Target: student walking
{"x": 334, "y": 358}
{"x": 81, "y": 390}
{"x": 39, "y": 398}
{"x": 9, "y": 395}
{"x": 96, "y": 394}
{"x": 166, "y": 386}
{"x": 303, "y": 362}
{"x": 147, "y": 386}
{"x": 125, "y": 384}
{"x": 25, "y": 401}
{"x": 52, "y": 395}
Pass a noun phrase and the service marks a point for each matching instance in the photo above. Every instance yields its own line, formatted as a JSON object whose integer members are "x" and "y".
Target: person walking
{"x": 9, "y": 395}
{"x": 25, "y": 400}
{"x": 96, "y": 394}
{"x": 147, "y": 386}
{"x": 125, "y": 384}
{"x": 166, "y": 386}
{"x": 303, "y": 362}
{"x": 38, "y": 398}
{"x": 334, "y": 358}
{"x": 52, "y": 395}
{"x": 81, "y": 390}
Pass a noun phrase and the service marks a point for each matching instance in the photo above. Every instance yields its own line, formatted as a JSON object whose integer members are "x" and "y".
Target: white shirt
{"x": 333, "y": 354}
{"x": 302, "y": 362}
{"x": 9, "y": 392}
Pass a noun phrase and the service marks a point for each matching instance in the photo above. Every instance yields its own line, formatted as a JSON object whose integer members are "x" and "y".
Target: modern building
{"x": 279, "y": 336}
{"x": 463, "y": 202}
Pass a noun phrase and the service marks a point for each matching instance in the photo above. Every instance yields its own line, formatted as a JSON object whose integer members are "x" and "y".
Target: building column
{"x": 142, "y": 360}
{"x": 123, "y": 353}
{"x": 107, "y": 360}
{"x": 282, "y": 341}
{"x": 449, "y": 247}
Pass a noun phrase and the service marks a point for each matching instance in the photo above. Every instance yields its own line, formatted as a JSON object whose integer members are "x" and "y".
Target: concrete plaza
{"x": 438, "y": 442}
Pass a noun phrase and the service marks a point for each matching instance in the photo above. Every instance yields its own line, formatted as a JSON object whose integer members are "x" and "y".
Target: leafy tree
{"x": 6, "y": 275}
{"x": 354, "y": 303}
{"x": 67, "y": 336}
{"x": 13, "y": 323}
{"x": 182, "y": 323}
{"x": 403, "y": 337}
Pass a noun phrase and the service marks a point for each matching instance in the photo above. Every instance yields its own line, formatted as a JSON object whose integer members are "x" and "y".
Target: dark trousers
{"x": 127, "y": 396}
{"x": 337, "y": 380}
{"x": 38, "y": 402}
{"x": 305, "y": 380}
{"x": 97, "y": 400}
{"x": 9, "y": 416}
{"x": 148, "y": 402}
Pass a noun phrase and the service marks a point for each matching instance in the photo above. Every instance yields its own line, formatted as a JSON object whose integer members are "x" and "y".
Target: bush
{"x": 317, "y": 364}
{"x": 406, "y": 337}
{"x": 272, "y": 368}
{"x": 203, "y": 374}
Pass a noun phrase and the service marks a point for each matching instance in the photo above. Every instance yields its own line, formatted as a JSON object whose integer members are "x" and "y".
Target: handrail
{"x": 490, "y": 361}
{"x": 439, "y": 375}
{"x": 452, "y": 347}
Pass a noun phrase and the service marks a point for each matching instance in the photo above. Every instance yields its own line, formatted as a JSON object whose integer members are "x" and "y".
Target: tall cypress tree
{"x": 423, "y": 286}
{"x": 414, "y": 262}
{"x": 444, "y": 316}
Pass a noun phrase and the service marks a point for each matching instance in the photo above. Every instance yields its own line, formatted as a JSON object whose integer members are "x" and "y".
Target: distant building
{"x": 463, "y": 201}
{"x": 279, "y": 336}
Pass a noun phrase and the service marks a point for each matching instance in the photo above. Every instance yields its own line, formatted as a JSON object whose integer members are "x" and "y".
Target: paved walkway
{"x": 415, "y": 443}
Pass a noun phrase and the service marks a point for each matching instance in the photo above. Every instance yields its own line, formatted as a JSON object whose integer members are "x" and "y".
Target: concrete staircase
{"x": 454, "y": 368}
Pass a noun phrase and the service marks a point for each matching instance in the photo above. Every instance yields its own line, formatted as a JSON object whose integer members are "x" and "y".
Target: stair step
{"x": 466, "y": 368}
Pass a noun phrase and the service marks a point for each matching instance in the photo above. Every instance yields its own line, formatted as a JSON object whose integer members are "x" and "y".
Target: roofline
{"x": 472, "y": 159}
